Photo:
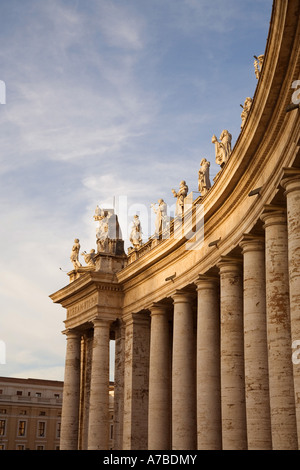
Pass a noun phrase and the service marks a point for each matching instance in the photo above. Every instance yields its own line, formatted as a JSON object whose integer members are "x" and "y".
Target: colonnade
{"x": 209, "y": 367}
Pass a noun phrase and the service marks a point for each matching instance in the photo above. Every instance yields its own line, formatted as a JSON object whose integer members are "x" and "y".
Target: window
{"x": 58, "y": 426}
{"x": 20, "y": 447}
{"x": 2, "y": 446}
{"x": 42, "y": 413}
{"x": 38, "y": 394}
{"x": 3, "y": 411}
{"x": 2, "y": 427}
{"x": 40, "y": 447}
{"x": 19, "y": 393}
{"x": 22, "y": 428}
{"x": 41, "y": 429}
{"x": 56, "y": 395}
{"x": 23, "y": 412}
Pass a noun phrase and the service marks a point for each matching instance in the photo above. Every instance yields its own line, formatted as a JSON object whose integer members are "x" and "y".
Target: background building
{"x": 30, "y": 414}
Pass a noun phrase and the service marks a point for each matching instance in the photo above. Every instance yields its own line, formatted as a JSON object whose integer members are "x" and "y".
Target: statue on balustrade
{"x": 180, "y": 195}
{"x": 89, "y": 258}
{"x": 75, "y": 254}
{"x": 204, "y": 183}
{"x": 162, "y": 220}
{"x": 222, "y": 148}
{"x": 258, "y": 63}
{"x": 246, "y": 109}
{"x": 108, "y": 232}
{"x": 136, "y": 232}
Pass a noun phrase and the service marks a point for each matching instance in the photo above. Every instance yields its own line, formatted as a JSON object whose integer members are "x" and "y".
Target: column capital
{"x": 182, "y": 296}
{"x": 158, "y": 308}
{"x": 251, "y": 242}
{"x": 205, "y": 281}
{"x": 71, "y": 333}
{"x": 98, "y": 322}
{"x": 230, "y": 264}
{"x": 136, "y": 318}
{"x": 290, "y": 180}
{"x": 273, "y": 215}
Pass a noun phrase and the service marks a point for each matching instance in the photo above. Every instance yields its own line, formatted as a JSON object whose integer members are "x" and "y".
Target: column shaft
{"x": 291, "y": 183}
{"x": 99, "y": 394}
{"x": 159, "y": 381}
{"x": 183, "y": 375}
{"x": 209, "y": 429}
{"x": 136, "y": 382}
{"x": 282, "y": 401}
{"x": 232, "y": 356}
{"x": 71, "y": 394}
{"x": 255, "y": 345}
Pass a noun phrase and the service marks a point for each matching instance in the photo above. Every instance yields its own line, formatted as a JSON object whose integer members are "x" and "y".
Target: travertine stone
{"x": 119, "y": 385}
{"x": 99, "y": 395}
{"x": 183, "y": 375}
{"x": 70, "y": 408}
{"x": 136, "y": 381}
{"x": 209, "y": 428}
{"x": 255, "y": 345}
{"x": 159, "y": 380}
{"x": 282, "y": 401}
{"x": 232, "y": 355}
{"x": 291, "y": 183}
{"x": 85, "y": 372}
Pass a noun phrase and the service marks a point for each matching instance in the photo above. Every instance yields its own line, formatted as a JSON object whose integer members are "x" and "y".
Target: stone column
{"x": 232, "y": 355}
{"x": 71, "y": 393}
{"x": 184, "y": 433}
{"x": 136, "y": 381}
{"x": 119, "y": 384}
{"x": 159, "y": 380}
{"x": 85, "y": 388}
{"x": 291, "y": 183}
{"x": 99, "y": 394}
{"x": 255, "y": 345}
{"x": 282, "y": 401}
{"x": 209, "y": 428}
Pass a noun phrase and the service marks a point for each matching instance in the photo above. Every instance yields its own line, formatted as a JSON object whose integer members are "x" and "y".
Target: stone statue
{"x": 89, "y": 258}
{"x": 222, "y": 148}
{"x": 246, "y": 109}
{"x": 75, "y": 254}
{"x": 136, "y": 232}
{"x": 108, "y": 232}
{"x": 258, "y": 64}
{"x": 203, "y": 177}
{"x": 181, "y": 194}
{"x": 161, "y": 221}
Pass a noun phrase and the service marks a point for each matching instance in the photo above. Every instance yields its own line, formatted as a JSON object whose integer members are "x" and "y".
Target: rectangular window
{"x": 22, "y": 428}
{"x": 20, "y": 447}
{"x": 39, "y": 447}
{"x": 2, "y": 427}
{"x": 2, "y": 446}
{"x": 58, "y": 429}
{"x": 38, "y": 394}
{"x": 19, "y": 393}
{"x": 41, "y": 429}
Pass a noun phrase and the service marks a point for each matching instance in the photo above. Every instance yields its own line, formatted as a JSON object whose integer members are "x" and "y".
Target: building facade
{"x": 206, "y": 320}
{"x": 30, "y": 414}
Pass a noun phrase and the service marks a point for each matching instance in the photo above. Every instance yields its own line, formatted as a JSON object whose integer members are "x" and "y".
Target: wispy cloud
{"x": 104, "y": 99}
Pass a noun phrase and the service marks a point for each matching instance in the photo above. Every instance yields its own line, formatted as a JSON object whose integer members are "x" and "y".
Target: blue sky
{"x": 103, "y": 99}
